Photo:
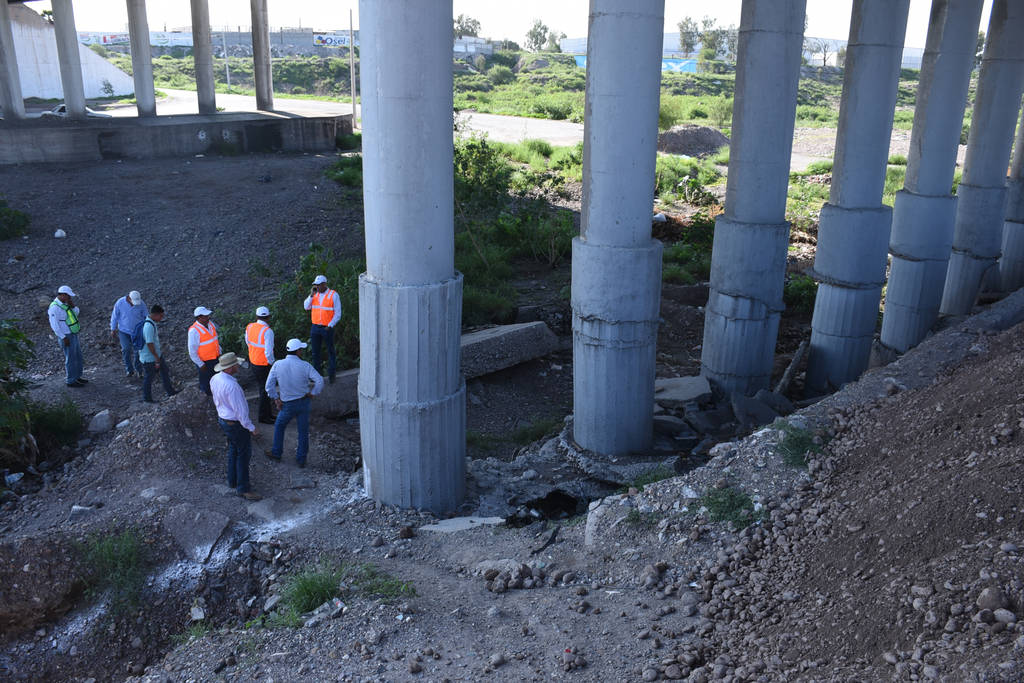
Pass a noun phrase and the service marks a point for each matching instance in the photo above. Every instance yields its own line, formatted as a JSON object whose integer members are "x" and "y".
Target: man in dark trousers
{"x": 324, "y": 306}
{"x": 259, "y": 339}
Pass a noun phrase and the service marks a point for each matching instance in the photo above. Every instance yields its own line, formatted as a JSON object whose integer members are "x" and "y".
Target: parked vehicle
{"x": 61, "y": 111}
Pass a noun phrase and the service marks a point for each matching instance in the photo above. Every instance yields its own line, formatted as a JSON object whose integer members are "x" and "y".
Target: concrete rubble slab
{"x": 195, "y": 530}
{"x": 679, "y": 390}
{"x": 462, "y": 524}
{"x": 483, "y": 352}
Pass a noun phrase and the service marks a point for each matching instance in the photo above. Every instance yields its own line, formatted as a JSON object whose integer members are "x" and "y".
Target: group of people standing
{"x": 287, "y": 384}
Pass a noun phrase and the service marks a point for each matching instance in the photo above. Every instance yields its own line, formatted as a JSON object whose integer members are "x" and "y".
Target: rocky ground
{"x": 891, "y": 552}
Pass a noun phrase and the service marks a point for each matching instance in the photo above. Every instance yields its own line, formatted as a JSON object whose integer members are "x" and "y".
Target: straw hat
{"x": 228, "y": 360}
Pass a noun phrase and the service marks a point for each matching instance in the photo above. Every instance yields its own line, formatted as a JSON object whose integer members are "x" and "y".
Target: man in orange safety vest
{"x": 324, "y": 306}
{"x": 259, "y": 338}
{"x": 203, "y": 346}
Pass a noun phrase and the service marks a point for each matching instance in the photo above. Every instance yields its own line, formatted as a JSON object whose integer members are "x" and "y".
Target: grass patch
{"x": 13, "y": 223}
{"x": 349, "y": 141}
{"x": 796, "y": 444}
{"x": 116, "y": 563}
{"x": 679, "y": 178}
{"x": 535, "y": 430}
{"x": 195, "y": 631}
{"x": 347, "y": 171}
{"x": 799, "y": 293}
{"x": 729, "y": 505}
{"x": 897, "y": 160}
{"x": 651, "y": 477}
{"x": 685, "y": 264}
{"x": 640, "y": 520}
{"x": 484, "y": 442}
{"x": 721, "y": 157}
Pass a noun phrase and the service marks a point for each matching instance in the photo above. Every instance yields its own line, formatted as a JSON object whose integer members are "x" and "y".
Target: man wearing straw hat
{"x": 234, "y": 421}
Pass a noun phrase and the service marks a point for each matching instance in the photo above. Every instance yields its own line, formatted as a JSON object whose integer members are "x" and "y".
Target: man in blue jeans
{"x": 65, "y": 324}
{"x": 292, "y": 383}
{"x": 152, "y": 356}
{"x": 233, "y": 418}
{"x": 128, "y": 312}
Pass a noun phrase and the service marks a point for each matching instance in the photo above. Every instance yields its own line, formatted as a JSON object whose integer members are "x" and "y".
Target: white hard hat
{"x": 64, "y": 289}
{"x": 135, "y": 297}
{"x": 201, "y": 310}
{"x": 294, "y": 345}
{"x": 319, "y": 280}
{"x": 262, "y": 312}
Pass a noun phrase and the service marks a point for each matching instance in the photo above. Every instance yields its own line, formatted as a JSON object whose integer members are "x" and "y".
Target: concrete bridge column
{"x": 262, "y": 73}
{"x": 748, "y": 261}
{"x": 70, "y": 61}
{"x": 978, "y": 235}
{"x": 616, "y": 266}
{"x": 142, "y": 61}
{"x": 1011, "y": 265}
{"x": 202, "y": 53}
{"x": 11, "y": 99}
{"x": 925, "y": 209}
{"x": 853, "y": 232}
{"x": 412, "y": 398}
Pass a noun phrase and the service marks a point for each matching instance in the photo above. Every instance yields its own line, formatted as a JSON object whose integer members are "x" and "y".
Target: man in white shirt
{"x": 234, "y": 421}
{"x": 203, "y": 346}
{"x": 65, "y": 324}
{"x": 324, "y": 306}
{"x": 292, "y": 383}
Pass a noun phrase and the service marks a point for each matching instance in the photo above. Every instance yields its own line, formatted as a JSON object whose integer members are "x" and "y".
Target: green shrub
{"x": 535, "y": 431}
{"x": 697, "y": 113}
{"x": 349, "y": 141}
{"x": 799, "y": 293}
{"x": 796, "y": 444}
{"x": 818, "y": 168}
{"x": 541, "y": 147}
{"x": 17, "y": 450}
{"x": 116, "y": 563}
{"x": 685, "y": 264}
{"x": 720, "y": 111}
{"x": 55, "y": 424}
{"x": 685, "y": 178}
{"x": 675, "y": 274}
{"x": 903, "y": 119}
{"x": 552, "y": 107}
{"x": 897, "y": 160}
{"x": 500, "y": 75}
{"x": 721, "y": 157}
{"x": 347, "y": 171}
{"x": 13, "y": 223}
{"x": 729, "y": 505}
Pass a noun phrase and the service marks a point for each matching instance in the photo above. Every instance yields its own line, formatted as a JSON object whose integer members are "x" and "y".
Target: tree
{"x": 688, "y": 35}
{"x": 712, "y": 38}
{"x": 820, "y": 46}
{"x": 732, "y": 37}
{"x": 980, "y": 50}
{"x": 552, "y": 44}
{"x": 466, "y": 26}
{"x": 841, "y": 57}
{"x": 536, "y": 36}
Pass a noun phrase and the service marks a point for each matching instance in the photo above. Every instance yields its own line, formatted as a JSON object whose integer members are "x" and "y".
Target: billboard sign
{"x": 677, "y": 65}
{"x": 331, "y": 40}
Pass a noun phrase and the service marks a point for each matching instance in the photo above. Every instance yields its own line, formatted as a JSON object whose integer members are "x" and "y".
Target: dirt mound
{"x": 906, "y": 559}
{"x": 694, "y": 141}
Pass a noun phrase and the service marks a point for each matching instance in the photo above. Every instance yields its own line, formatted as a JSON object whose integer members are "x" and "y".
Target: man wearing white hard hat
{"x": 259, "y": 339}
{"x": 203, "y": 346}
{"x": 292, "y": 384}
{"x": 324, "y": 306}
{"x": 65, "y": 324}
{"x": 128, "y": 312}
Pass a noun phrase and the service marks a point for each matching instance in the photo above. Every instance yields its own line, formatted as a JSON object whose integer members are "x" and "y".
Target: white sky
{"x": 825, "y": 18}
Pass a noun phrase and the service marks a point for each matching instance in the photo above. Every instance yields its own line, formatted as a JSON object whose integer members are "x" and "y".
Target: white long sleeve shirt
{"x": 230, "y": 400}
{"x": 308, "y": 305}
{"x": 59, "y": 319}
{"x": 193, "y": 343}
{"x": 291, "y": 378}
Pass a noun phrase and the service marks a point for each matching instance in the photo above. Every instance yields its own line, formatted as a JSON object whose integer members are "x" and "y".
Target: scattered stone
{"x": 196, "y": 613}
{"x": 750, "y": 411}
{"x": 101, "y": 422}
{"x": 196, "y": 530}
{"x": 462, "y": 524}
{"x": 777, "y": 402}
{"x": 59, "y": 233}
{"x": 79, "y": 512}
{"x": 406, "y": 532}
{"x": 1004, "y": 616}
{"x": 497, "y": 660}
{"x": 992, "y": 598}
{"x": 377, "y": 541}
{"x": 271, "y": 603}
{"x": 677, "y": 391}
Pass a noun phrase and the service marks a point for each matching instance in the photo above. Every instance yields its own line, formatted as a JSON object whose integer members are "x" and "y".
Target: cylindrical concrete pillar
{"x": 261, "y": 63}
{"x": 616, "y": 266}
{"x": 748, "y": 261}
{"x": 202, "y": 53}
{"x": 70, "y": 61}
{"x": 853, "y": 231}
{"x": 412, "y": 398}
{"x": 925, "y": 210}
{"x": 978, "y": 235}
{"x": 1011, "y": 265}
{"x": 142, "y": 62}
{"x": 11, "y": 100}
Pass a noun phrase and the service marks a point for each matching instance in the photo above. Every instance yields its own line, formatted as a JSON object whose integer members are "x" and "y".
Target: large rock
{"x": 101, "y": 422}
{"x": 681, "y": 390}
{"x": 196, "y": 530}
{"x": 751, "y": 412}
{"x": 483, "y": 352}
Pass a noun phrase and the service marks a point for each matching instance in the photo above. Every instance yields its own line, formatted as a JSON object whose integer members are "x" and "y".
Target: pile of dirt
{"x": 691, "y": 140}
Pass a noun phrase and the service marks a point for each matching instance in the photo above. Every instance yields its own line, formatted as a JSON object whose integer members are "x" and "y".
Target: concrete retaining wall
{"x": 166, "y": 136}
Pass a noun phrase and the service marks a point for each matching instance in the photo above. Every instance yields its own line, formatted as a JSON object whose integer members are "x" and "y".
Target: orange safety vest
{"x": 209, "y": 347}
{"x": 256, "y": 340}
{"x": 322, "y": 308}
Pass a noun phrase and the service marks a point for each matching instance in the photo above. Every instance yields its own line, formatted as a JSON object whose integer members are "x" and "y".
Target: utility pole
{"x": 224, "y": 42}
{"x": 352, "y": 70}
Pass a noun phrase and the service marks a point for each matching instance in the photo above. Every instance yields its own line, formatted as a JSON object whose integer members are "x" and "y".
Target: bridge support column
{"x": 142, "y": 62}
{"x": 853, "y": 232}
{"x": 202, "y": 53}
{"x": 11, "y": 99}
{"x": 1011, "y": 265}
{"x": 978, "y": 236}
{"x": 70, "y": 61}
{"x": 616, "y": 266}
{"x": 262, "y": 72}
{"x": 748, "y": 261}
{"x": 925, "y": 210}
{"x": 412, "y": 398}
